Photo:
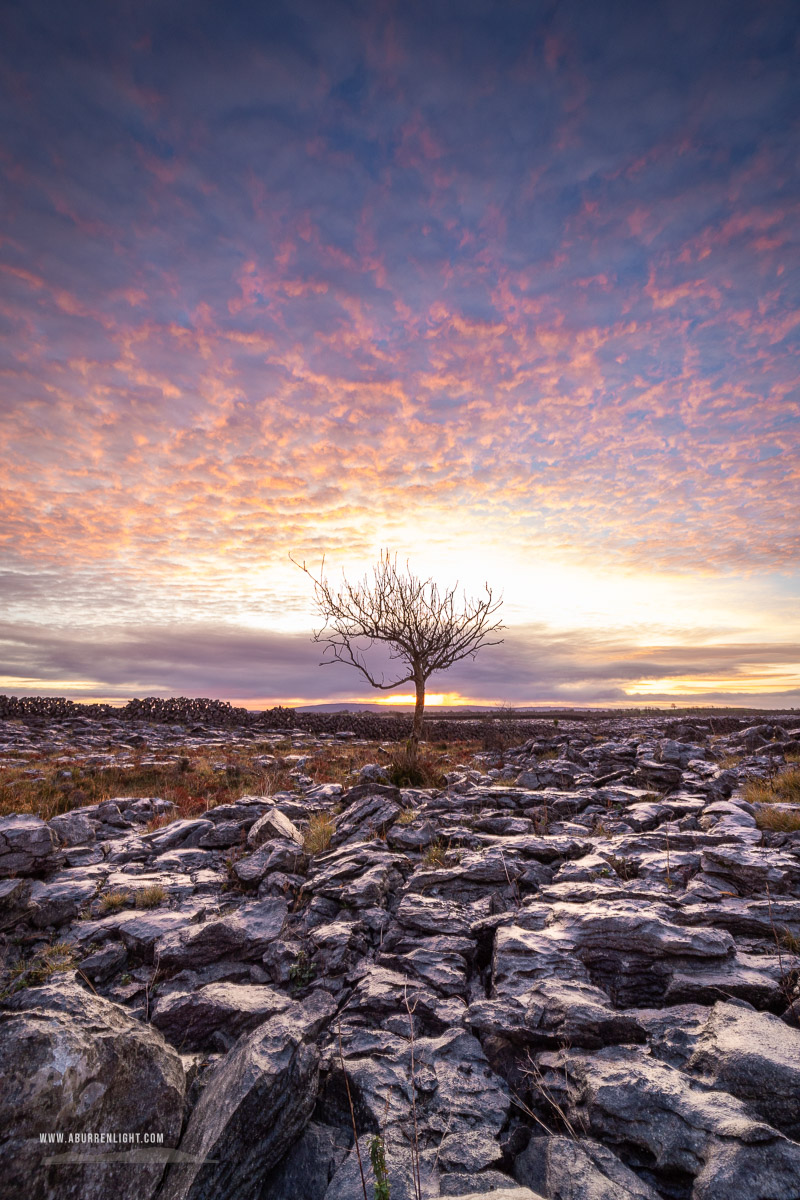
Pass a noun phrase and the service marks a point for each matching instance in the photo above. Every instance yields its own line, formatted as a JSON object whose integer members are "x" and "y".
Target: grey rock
{"x": 27, "y": 846}
{"x": 373, "y": 773}
{"x": 278, "y": 854}
{"x": 557, "y": 1012}
{"x": 362, "y": 876}
{"x": 756, "y": 1057}
{"x": 61, "y": 899}
{"x": 459, "y": 1183}
{"x": 353, "y": 794}
{"x": 621, "y": 1095}
{"x": 308, "y": 1168}
{"x": 382, "y": 992}
{"x": 255, "y": 1105}
{"x": 578, "y": 1170}
{"x": 491, "y": 866}
{"x": 432, "y": 914}
{"x": 189, "y": 1018}
{"x": 339, "y": 945}
{"x": 468, "y": 1151}
{"x": 105, "y": 963}
{"x": 755, "y": 978}
{"x": 346, "y": 1183}
{"x": 273, "y": 824}
{"x": 457, "y": 1092}
{"x": 625, "y": 926}
{"x": 222, "y": 835}
{"x": 508, "y": 1193}
{"x": 752, "y": 870}
{"x": 365, "y": 818}
{"x": 437, "y": 964}
{"x": 75, "y": 1062}
{"x": 186, "y": 832}
{"x": 523, "y": 956}
{"x": 73, "y": 828}
{"x": 141, "y": 931}
{"x": 245, "y": 933}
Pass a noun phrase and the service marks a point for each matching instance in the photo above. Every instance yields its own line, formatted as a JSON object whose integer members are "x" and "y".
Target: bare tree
{"x": 421, "y": 625}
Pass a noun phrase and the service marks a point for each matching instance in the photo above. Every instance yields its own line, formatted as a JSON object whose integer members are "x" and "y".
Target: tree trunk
{"x": 419, "y": 710}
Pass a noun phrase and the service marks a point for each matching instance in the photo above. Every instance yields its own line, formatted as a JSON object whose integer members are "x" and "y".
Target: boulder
{"x": 73, "y": 828}
{"x": 27, "y": 846}
{"x": 578, "y": 1170}
{"x": 254, "y": 1106}
{"x": 309, "y": 1166}
{"x": 273, "y": 824}
{"x": 622, "y": 1096}
{"x": 556, "y": 1012}
{"x": 61, "y": 899}
{"x": 74, "y": 1063}
{"x": 756, "y": 1057}
{"x": 365, "y": 818}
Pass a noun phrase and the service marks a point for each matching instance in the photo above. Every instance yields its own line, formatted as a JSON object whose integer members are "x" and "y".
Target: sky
{"x": 507, "y": 287}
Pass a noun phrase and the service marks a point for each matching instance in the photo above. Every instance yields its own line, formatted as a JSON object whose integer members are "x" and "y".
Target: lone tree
{"x": 422, "y": 626}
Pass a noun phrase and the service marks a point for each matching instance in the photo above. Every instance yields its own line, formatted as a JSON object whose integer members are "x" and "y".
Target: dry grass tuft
{"x": 407, "y": 769}
{"x": 435, "y": 855}
{"x": 150, "y": 896}
{"x": 113, "y": 901}
{"x": 781, "y": 789}
{"x": 58, "y": 956}
{"x": 778, "y": 820}
{"x": 407, "y": 817}
{"x": 321, "y": 828}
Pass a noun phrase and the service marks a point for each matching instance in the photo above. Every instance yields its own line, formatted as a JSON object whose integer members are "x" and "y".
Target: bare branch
{"x": 419, "y": 624}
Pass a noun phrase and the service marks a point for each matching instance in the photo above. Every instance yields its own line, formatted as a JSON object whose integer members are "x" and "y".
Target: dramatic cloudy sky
{"x": 508, "y": 287}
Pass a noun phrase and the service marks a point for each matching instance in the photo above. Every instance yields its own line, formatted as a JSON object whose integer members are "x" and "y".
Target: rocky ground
{"x": 570, "y": 971}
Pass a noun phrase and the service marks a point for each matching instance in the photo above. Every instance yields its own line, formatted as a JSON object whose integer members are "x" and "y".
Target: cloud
{"x": 533, "y": 665}
{"x": 314, "y": 276}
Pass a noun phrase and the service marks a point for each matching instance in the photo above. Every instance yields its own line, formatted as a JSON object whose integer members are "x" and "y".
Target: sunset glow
{"x": 514, "y": 292}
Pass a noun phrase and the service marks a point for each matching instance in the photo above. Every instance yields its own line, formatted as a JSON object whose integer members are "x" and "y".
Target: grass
{"x": 407, "y": 817}
{"x": 113, "y": 901}
{"x": 302, "y": 971}
{"x": 188, "y": 778}
{"x": 435, "y": 855}
{"x": 321, "y": 827}
{"x": 625, "y": 868}
{"x": 58, "y": 956}
{"x": 192, "y": 789}
{"x": 423, "y": 770}
{"x": 150, "y": 896}
{"x": 778, "y": 820}
{"x": 789, "y": 941}
{"x": 781, "y": 789}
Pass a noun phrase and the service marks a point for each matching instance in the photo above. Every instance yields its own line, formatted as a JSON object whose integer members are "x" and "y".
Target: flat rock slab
{"x": 646, "y": 929}
{"x": 756, "y": 1057}
{"x": 245, "y": 933}
{"x": 556, "y": 1012}
{"x": 60, "y": 900}
{"x": 189, "y": 1017}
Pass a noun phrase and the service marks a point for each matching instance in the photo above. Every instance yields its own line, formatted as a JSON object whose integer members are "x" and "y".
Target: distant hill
{"x": 431, "y": 711}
